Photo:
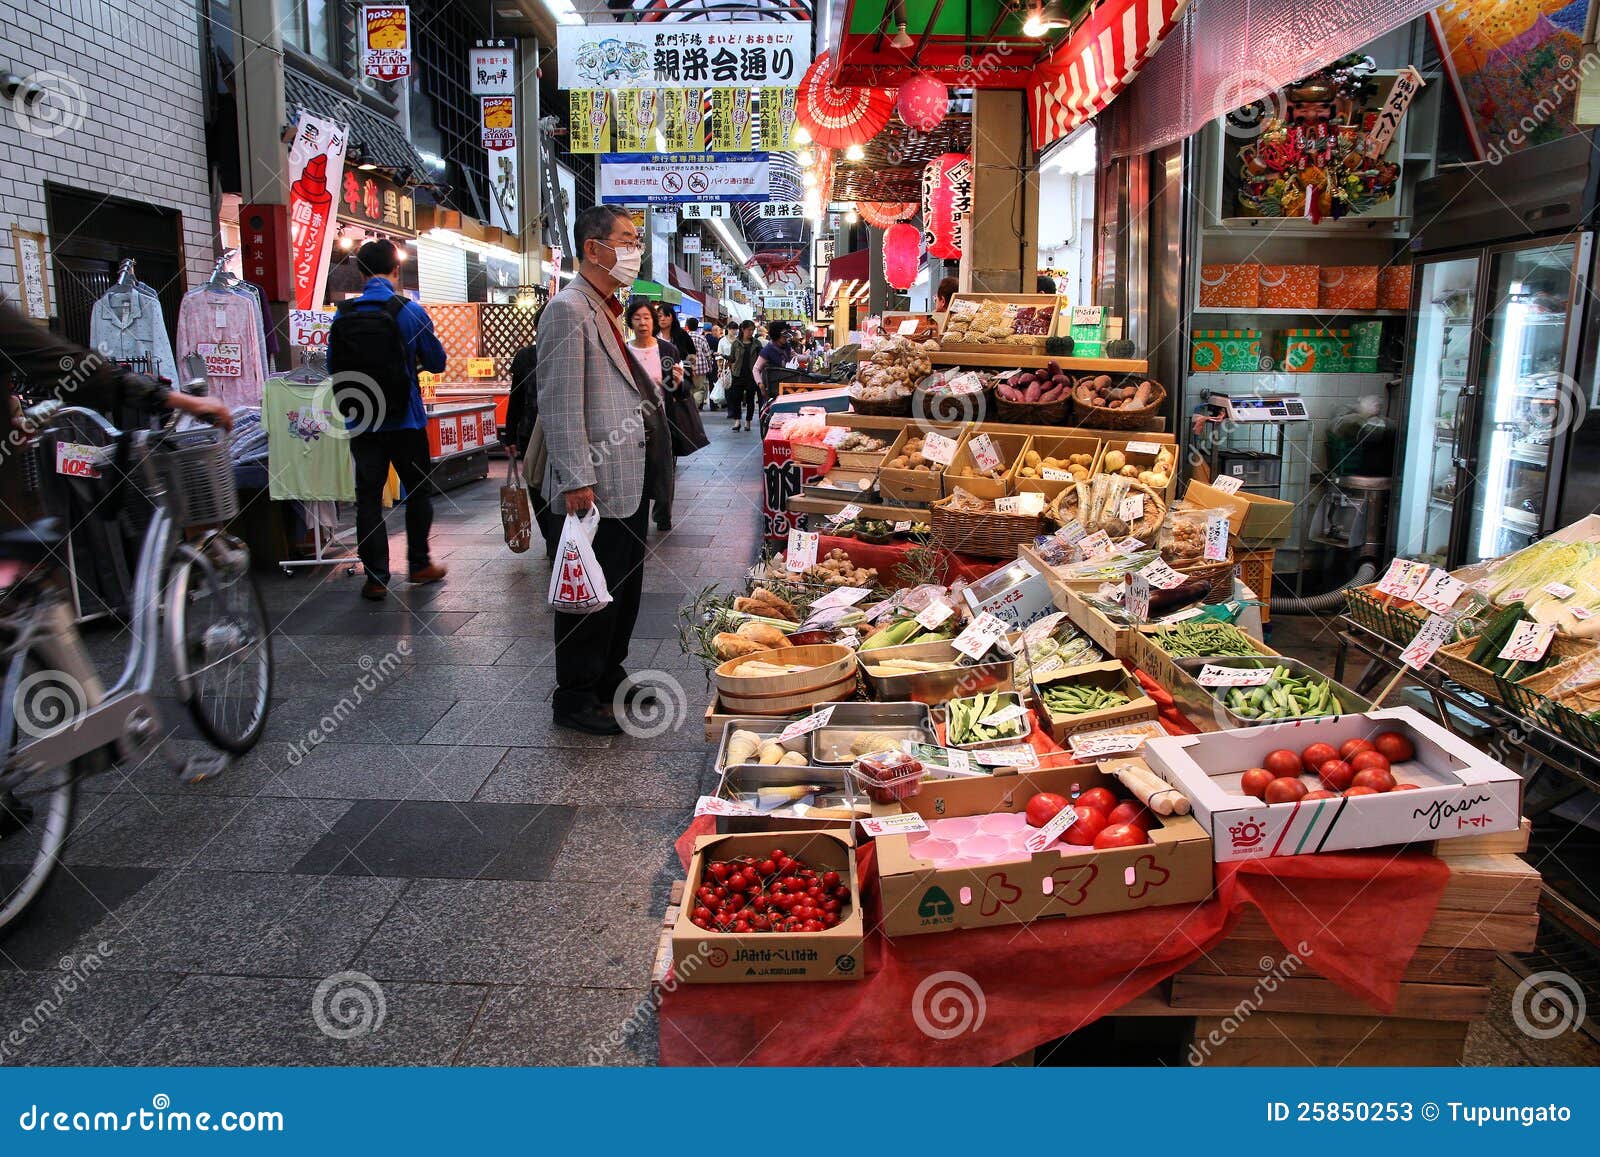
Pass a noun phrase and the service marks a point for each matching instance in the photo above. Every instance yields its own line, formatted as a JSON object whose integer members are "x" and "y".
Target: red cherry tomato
{"x": 1377, "y": 778}
{"x": 1396, "y": 747}
{"x": 1285, "y": 790}
{"x": 1320, "y": 794}
{"x": 1282, "y": 762}
{"x": 1352, "y": 746}
{"x": 1121, "y": 836}
{"x": 1098, "y": 797}
{"x": 1254, "y": 782}
{"x": 1129, "y": 812}
{"x": 1336, "y": 774}
{"x": 1360, "y": 791}
{"x": 1091, "y": 821}
{"x": 1043, "y": 807}
{"x": 1317, "y": 754}
{"x": 1366, "y": 759}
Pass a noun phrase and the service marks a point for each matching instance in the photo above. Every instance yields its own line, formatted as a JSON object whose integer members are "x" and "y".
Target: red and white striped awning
{"x": 1102, "y": 57}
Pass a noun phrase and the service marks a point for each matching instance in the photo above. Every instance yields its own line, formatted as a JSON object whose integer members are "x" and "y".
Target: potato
{"x": 1031, "y": 458}
{"x": 1114, "y": 461}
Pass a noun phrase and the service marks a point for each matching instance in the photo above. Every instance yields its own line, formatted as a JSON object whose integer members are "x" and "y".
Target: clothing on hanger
{"x": 126, "y": 323}
{"x": 224, "y": 327}
{"x": 308, "y": 450}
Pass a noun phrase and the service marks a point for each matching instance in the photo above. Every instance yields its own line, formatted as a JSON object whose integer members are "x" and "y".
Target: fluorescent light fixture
{"x": 563, "y": 11}
{"x": 432, "y": 160}
{"x": 456, "y": 240}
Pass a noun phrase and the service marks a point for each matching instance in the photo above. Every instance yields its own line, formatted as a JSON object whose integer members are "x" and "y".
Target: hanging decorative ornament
{"x": 902, "y": 253}
{"x": 946, "y": 200}
{"x": 922, "y": 103}
{"x": 882, "y": 214}
{"x": 837, "y": 118}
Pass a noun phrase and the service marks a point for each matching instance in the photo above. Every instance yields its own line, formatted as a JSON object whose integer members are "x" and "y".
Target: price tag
{"x": 1132, "y": 508}
{"x": 1094, "y": 744}
{"x": 1150, "y": 448}
{"x": 711, "y": 805}
{"x": 1051, "y": 474}
{"x": 1087, "y": 314}
{"x": 984, "y": 453}
{"x": 903, "y": 526}
{"x": 981, "y": 634}
{"x": 1041, "y": 629}
{"x": 1439, "y": 591}
{"x": 849, "y": 638}
{"x": 1434, "y": 634}
{"x": 1018, "y": 755}
{"x": 1129, "y": 545}
{"x": 1517, "y": 595}
{"x": 905, "y": 824}
{"x": 805, "y": 726}
{"x": 1052, "y": 831}
{"x": 1003, "y": 716}
{"x": 1179, "y": 616}
{"x": 1403, "y": 578}
{"x": 1227, "y": 483}
{"x": 938, "y": 449}
{"x": 935, "y": 613}
{"x": 1214, "y": 676}
{"x": 1095, "y": 546}
{"x": 1028, "y": 503}
{"x": 841, "y": 597}
{"x": 1071, "y": 532}
{"x": 1582, "y": 613}
{"x": 1559, "y": 590}
{"x": 1528, "y": 642}
{"x": 835, "y": 435}
{"x": 907, "y": 327}
{"x": 802, "y": 552}
{"x": 1137, "y": 601}
{"x": 844, "y": 514}
{"x": 1161, "y": 575}
{"x": 1217, "y": 537}
{"x": 950, "y": 758}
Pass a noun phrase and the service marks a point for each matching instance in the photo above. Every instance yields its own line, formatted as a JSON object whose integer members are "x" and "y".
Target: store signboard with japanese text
{"x": 731, "y": 120}
{"x": 683, "y": 122}
{"x": 779, "y": 119}
{"x": 668, "y": 55}
{"x": 665, "y": 178}
{"x": 636, "y": 112}
{"x": 706, "y": 211}
{"x": 498, "y": 130}
{"x": 491, "y": 69}
{"x": 385, "y": 31}
{"x": 308, "y": 328}
{"x": 589, "y": 121}
{"x": 375, "y": 201}
{"x": 691, "y": 243}
{"x": 316, "y": 161}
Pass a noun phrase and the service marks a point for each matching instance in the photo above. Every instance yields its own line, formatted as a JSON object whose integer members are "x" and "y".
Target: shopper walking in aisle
{"x": 659, "y": 360}
{"x": 608, "y": 447}
{"x": 701, "y": 363}
{"x": 384, "y": 338}
{"x": 774, "y": 356}
{"x": 668, "y": 329}
{"x": 743, "y": 392}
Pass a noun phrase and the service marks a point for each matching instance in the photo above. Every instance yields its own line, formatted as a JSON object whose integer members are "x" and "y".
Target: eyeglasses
{"x": 622, "y": 248}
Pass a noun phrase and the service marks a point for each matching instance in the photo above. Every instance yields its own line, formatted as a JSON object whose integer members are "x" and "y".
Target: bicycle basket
{"x": 199, "y": 477}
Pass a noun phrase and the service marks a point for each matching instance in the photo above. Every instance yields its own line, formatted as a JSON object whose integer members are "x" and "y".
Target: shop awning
{"x": 1103, "y": 56}
{"x": 976, "y": 44}
{"x": 378, "y": 139}
{"x": 849, "y": 279}
{"x": 655, "y": 291}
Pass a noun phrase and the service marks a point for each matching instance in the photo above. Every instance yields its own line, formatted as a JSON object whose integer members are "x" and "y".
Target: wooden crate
{"x": 1302, "y": 1039}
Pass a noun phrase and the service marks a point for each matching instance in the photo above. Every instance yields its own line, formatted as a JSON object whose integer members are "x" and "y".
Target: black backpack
{"x": 369, "y": 363}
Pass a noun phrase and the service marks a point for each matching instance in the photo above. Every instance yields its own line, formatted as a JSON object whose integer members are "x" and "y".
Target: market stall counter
{"x": 459, "y": 437}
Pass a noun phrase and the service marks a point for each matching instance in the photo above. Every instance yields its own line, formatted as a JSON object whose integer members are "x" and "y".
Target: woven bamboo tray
{"x": 1034, "y": 413}
{"x": 1100, "y": 418}
{"x": 1219, "y": 574}
{"x": 982, "y": 533}
{"x": 1565, "y": 712}
{"x": 895, "y": 408}
{"x": 1452, "y": 660}
{"x": 1367, "y": 607}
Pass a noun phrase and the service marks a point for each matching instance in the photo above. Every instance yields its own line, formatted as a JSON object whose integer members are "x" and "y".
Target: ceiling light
{"x": 855, "y": 153}
{"x": 802, "y": 135}
{"x": 366, "y": 166}
{"x": 1044, "y": 17}
{"x": 806, "y": 158}
{"x": 808, "y": 179}
{"x": 850, "y": 217}
{"x": 1034, "y": 25}
{"x": 900, "y": 39}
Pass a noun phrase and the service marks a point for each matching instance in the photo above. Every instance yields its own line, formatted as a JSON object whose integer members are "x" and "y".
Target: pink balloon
{"x": 902, "y": 252}
{"x": 923, "y": 102}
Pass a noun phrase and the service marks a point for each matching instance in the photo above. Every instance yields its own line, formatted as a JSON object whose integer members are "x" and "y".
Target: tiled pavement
{"x": 500, "y": 881}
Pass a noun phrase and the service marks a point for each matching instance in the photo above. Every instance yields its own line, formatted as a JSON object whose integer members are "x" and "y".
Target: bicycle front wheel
{"x": 218, "y": 634}
{"x": 35, "y": 812}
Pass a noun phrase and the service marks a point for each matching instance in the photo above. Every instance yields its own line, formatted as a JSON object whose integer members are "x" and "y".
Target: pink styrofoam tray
{"x": 973, "y": 841}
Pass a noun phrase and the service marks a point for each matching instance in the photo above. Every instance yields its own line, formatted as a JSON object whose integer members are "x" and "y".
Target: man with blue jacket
{"x": 400, "y": 439}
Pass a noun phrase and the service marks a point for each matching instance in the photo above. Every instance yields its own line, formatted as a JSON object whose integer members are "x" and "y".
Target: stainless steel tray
{"x": 830, "y": 745}
{"x": 933, "y": 687}
{"x": 1008, "y": 741}
{"x": 745, "y": 779}
{"x": 1209, "y": 712}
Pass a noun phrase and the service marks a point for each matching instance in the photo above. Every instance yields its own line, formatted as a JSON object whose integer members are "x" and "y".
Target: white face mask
{"x": 625, "y": 266}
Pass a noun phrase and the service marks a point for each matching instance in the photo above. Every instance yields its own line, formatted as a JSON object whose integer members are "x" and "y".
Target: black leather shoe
{"x": 663, "y": 527}
{"x": 635, "y": 694}
{"x": 591, "y": 720}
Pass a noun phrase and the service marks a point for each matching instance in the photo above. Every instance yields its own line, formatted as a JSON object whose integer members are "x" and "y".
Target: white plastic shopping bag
{"x": 577, "y": 584}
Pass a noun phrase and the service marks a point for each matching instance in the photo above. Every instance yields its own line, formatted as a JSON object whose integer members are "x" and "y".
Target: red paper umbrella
{"x": 835, "y": 117}
{"x": 882, "y": 214}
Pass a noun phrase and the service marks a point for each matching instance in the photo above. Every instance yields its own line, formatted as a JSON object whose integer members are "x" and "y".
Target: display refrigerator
{"x": 1492, "y": 397}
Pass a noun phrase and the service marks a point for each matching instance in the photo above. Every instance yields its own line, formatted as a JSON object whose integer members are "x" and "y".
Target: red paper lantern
{"x": 946, "y": 199}
{"x": 922, "y": 103}
{"x": 902, "y": 253}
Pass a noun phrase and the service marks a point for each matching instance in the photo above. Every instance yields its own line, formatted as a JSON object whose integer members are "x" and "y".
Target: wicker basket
{"x": 1035, "y": 413}
{"x": 1218, "y": 573}
{"x": 1368, "y": 608}
{"x": 1100, "y": 418}
{"x": 812, "y": 453}
{"x": 982, "y": 533}
{"x": 895, "y": 408}
{"x": 1566, "y": 712}
{"x": 1452, "y": 659}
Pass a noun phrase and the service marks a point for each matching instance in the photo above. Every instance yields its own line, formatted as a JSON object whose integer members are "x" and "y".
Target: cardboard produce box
{"x": 1394, "y": 287}
{"x": 1115, "y": 639}
{"x": 703, "y": 957}
{"x": 963, "y": 470}
{"x": 1289, "y": 286}
{"x": 1460, "y": 790}
{"x": 1253, "y": 517}
{"x": 1225, "y": 351}
{"x": 1063, "y": 880}
{"x": 1312, "y": 351}
{"x": 1110, "y": 676}
{"x": 1061, "y": 449}
{"x": 1146, "y": 654}
{"x": 912, "y": 486}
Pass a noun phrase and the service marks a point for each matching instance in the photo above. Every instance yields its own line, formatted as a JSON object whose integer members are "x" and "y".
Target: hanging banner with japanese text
{"x": 683, "y": 120}
{"x": 778, "y": 119}
{"x": 497, "y": 121}
{"x": 491, "y": 69}
{"x": 609, "y": 56}
{"x": 636, "y": 119}
{"x": 666, "y": 178}
{"x": 385, "y": 31}
{"x": 316, "y": 160}
{"x": 589, "y": 121}
{"x": 730, "y": 120}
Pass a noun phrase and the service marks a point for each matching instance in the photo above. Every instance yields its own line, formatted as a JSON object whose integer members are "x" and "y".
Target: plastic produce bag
{"x": 577, "y": 584}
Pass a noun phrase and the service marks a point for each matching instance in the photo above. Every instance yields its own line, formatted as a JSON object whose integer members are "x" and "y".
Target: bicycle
{"x": 58, "y": 723}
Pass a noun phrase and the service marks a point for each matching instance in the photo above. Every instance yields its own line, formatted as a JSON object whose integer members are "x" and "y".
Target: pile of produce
{"x": 1103, "y": 390}
{"x": 1036, "y": 387}
{"x": 767, "y": 669}
{"x": 750, "y": 636}
{"x": 764, "y": 602}
{"x": 1205, "y": 639}
{"x": 1100, "y": 819}
{"x": 903, "y": 631}
{"x": 857, "y": 442}
{"x": 869, "y": 529}
{"x": 1556, "y": 582}
{"x": 778, "y": 894}
{"x": 1181, "y": 538}
{"x": 1157, "y": 476}
{"x": 997, "y": 323}
{"x": 1359, "y": 767}
{"x": 888, "y": 777}
{"x": 748, "y": 747}
{"x": 1065, "y": 646}
{"x": 1285, "y": 697}
{"x": 910, "y": 458}
{"x": 1496, "y": 634}
{"x": 1066, "y": 699}
{"x": 964, "y": 719}
{"x": 890, "y": 371}
{"x": 889, "y": 668}
{"x": 1035, "y": 464}
{"x": 1098, "y": 504}
{"x": 838, "y": 571}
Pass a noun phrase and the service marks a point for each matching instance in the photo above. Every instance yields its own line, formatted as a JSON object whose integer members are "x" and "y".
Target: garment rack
{"x": 313, "y": 368}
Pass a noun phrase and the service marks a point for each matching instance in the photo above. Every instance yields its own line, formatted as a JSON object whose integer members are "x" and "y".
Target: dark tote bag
{"x": 682, "y": 414}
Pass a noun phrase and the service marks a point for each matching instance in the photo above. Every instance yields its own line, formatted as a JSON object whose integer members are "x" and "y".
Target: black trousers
{"x": 374, "y": 452}
{"x": 744, "y": 394}
{"x": 591, "y": 649}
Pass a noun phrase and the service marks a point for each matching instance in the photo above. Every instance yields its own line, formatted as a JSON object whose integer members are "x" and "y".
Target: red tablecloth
{"x": 885, "y": 559}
